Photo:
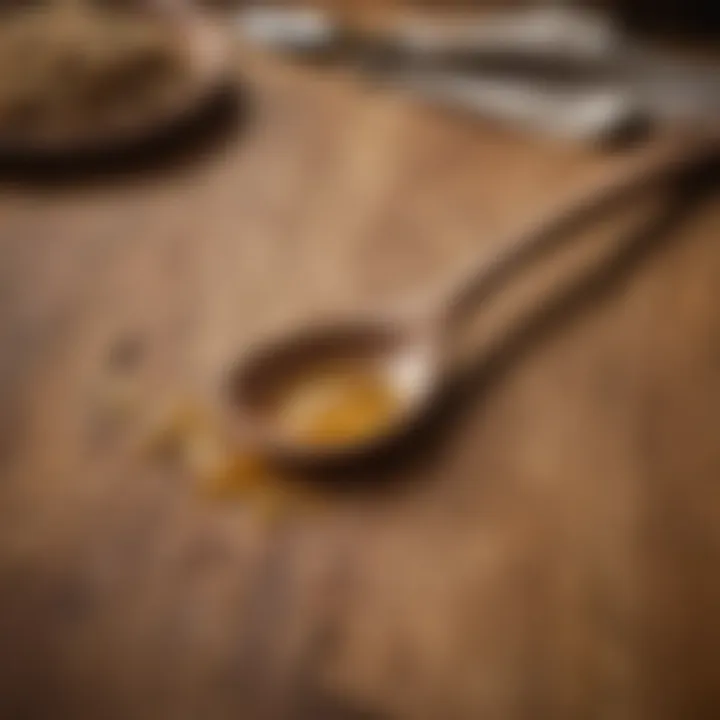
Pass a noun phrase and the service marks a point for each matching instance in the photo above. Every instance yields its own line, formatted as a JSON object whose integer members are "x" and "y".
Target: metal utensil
{"x": 557, "y": 71}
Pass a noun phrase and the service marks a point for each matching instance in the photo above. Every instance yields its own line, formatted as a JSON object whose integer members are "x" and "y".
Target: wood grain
{"x": 551, "y": 554}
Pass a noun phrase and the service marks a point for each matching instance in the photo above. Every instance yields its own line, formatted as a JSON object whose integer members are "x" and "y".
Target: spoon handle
{"x": 660, "y": 169}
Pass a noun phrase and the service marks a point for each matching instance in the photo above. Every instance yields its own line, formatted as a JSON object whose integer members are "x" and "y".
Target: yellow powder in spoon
{"x": 334, "y": 406}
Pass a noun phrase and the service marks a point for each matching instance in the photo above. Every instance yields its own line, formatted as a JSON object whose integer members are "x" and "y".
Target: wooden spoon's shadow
{"x": 196, "y": 135}
{"x": 407, "y": 461}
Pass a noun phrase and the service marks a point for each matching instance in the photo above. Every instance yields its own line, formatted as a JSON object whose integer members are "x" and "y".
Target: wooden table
{"x": 553, "y": 555}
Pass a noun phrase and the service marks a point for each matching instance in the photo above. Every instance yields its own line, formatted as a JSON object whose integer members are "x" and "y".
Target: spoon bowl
{"x": 401, "y": 362}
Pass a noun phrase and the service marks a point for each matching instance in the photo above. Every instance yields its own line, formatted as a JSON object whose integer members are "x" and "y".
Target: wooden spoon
{"x": 415, "y": 357}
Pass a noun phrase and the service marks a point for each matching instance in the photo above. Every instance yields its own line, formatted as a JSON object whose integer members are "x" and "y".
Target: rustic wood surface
{"x": 553, "y": 554}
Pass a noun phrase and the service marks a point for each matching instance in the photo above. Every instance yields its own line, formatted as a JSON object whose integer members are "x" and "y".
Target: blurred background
{"x": 179, "y": 181}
